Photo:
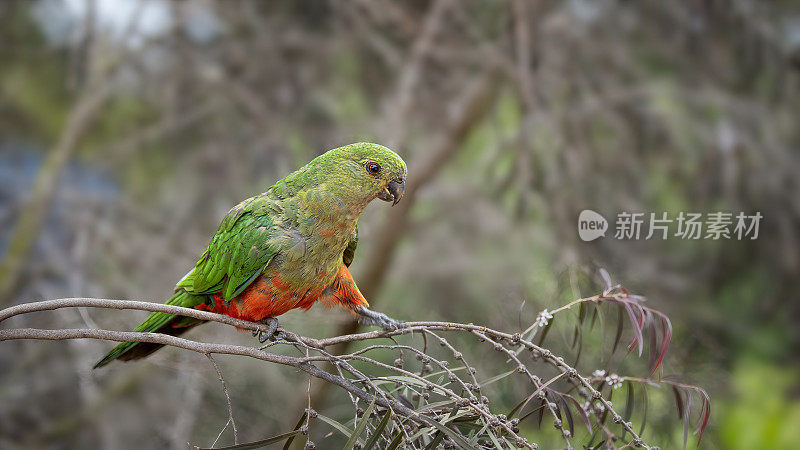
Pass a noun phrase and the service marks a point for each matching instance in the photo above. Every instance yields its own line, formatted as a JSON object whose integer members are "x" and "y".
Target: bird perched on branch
{"x": 286, "y": 248}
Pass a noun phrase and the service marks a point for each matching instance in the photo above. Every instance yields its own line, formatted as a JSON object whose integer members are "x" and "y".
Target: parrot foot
{"x": 369, "y": 317}
{"x": 272, "y": 332}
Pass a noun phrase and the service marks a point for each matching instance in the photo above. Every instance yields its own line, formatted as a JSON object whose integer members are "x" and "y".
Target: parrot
{"x": 288, "y": 247}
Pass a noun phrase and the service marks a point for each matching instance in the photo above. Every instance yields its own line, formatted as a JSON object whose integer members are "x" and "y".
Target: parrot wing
{"x": 350, "y": 251}
{"x": 238, "y": 252}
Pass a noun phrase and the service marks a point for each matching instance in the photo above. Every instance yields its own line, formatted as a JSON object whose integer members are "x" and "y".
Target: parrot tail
{"x": 157, "y": 323}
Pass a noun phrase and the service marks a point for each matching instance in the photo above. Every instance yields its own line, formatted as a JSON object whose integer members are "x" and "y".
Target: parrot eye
{"x": 373, "y": 168}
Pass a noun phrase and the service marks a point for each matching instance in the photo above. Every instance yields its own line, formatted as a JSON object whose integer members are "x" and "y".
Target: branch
{"x": 230, "y": 421}
{"x": 50, "y": 305}
{"x": 465, "y": 394}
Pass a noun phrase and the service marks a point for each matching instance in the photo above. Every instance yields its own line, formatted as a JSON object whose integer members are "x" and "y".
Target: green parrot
{"x": 286, "y": 248}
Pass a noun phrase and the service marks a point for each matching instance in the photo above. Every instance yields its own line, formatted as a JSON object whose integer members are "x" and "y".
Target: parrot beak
{"x": 393, "y": 192}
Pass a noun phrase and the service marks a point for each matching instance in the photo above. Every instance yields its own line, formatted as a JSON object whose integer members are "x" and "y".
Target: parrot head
{"x": 365, "y": 171}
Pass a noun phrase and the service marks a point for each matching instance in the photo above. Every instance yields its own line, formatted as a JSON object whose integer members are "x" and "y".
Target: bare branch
{"x": 230, "y": 421}
{"x": 461, "y": 392}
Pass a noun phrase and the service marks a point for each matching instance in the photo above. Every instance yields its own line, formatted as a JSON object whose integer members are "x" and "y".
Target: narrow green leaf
{"x": 628, "y": 406}
{"x": 296, "y": 427}
{"x": 457, "y": 438}
{"x": 362, "y": 424}
{"x": 378, "y": 430}
{"x": 437, "y": 438}
{"x": 261, "y": 443}
{"x": 477, "y": 436}
{"x": 644, "y": 410}
{"x": 497, "y": 378}
{"x": 435, "y": 405}
{"x": 620, "y": 324}
{"x": 495, "y": 441}
{"x": 343, "y": 429}
{"x": 398, "y": 439}
{"x": 595, "y": 312}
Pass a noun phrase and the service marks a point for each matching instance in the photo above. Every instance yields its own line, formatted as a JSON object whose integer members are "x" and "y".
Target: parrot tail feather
{"x": 158, "y": 322}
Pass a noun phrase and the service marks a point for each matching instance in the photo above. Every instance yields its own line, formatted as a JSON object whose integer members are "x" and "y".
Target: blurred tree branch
{"x": 97, "y": 87}
{"x": 80, "y": 119}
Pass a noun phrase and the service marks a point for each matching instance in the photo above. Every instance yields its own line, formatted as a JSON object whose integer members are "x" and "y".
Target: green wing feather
{"x": 239, "y": 252}
{"x": 350, "y": 251}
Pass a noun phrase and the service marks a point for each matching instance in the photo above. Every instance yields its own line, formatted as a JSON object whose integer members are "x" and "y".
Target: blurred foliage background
{"x": 129, "y": 128}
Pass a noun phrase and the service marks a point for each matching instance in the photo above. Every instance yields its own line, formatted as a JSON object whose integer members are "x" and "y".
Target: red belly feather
{"x": 272, "y": 296}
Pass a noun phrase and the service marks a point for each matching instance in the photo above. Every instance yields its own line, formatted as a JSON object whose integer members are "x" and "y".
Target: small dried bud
{"x": 484, "y": 400}
{"x": 419, "y": 357}
{"x": 498, "y": 347}
{"x": 398, "y": 363}
{"x": 310, "y": 446}
{"x": 426, "y": 395}
{"x": 304, "y": 430}
{"x": 312, "y": 413}
{"x": 458, "y": 356}
{"x": 452, "y": 378}
{"x": 638, "y": 443}
{"x": 557, "y": 423}
{"x": 473, "y": 370}
{"x": 516, "y": 338}
{"x": 515, "y": 421}
{"x": 444, "y": 363}
{"x": 360, "y": 412}
{"x": 522, "y": 369}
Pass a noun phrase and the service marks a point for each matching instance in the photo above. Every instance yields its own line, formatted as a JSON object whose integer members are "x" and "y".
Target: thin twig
{"x": 227, "y": 402}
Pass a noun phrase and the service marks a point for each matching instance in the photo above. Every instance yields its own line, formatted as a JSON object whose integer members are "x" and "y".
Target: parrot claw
{"x": 378, "y": 319}
{"x": 272, "y": 332}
